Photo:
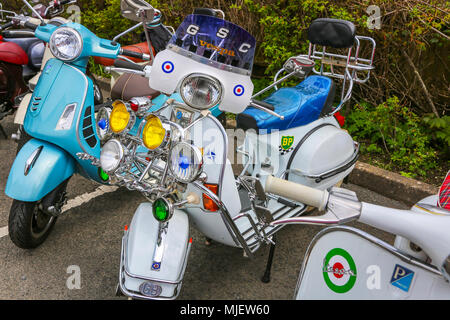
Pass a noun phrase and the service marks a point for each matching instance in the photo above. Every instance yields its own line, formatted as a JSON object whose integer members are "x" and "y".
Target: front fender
{"x": 139, "y": 247}
{"x": 51, "y": 166}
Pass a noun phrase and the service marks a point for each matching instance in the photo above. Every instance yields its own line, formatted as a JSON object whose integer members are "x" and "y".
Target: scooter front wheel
{"x": 28, "y": 225}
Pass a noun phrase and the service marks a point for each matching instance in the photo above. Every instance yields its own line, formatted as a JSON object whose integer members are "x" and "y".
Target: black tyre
{"x": 28, "y": 225}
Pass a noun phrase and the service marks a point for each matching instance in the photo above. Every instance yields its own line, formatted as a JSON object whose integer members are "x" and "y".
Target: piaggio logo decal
{"x": 219, "y": 50}
{"x": 339, "y": 270}
{"x": 286, "y": 144}
{"x": 402, "y": 277}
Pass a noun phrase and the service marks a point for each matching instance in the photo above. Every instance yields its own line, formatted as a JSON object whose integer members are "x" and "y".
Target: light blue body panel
{"x": 52, "y": 166}
{"x": 299, "y": 105}
{"x": 61, "y": 85}
{"x": 92, "y": 45}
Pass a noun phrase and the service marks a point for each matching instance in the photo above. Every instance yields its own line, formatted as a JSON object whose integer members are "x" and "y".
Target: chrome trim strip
{"x": 226, "y": 217}
{"x": 32, "y": 160}
{"x": 81, "y": 107}
{"x": 380, "y": 243}
{"x": 225, "y": 150}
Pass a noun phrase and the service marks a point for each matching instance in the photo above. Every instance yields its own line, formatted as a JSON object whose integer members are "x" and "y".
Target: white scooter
{"x": 177, "y": 156}
{"x": 343, "y": 262}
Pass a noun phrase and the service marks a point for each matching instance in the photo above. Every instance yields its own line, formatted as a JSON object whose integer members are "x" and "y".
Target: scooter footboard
{"x": 154, "y": 258}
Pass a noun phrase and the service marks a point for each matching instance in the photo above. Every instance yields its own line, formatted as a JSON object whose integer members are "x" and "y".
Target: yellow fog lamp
{"x": 121, "y": 118}
{"x": 153, "y": 134}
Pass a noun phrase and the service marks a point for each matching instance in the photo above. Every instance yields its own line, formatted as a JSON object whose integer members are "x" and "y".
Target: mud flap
{"x": 149, "y": 270}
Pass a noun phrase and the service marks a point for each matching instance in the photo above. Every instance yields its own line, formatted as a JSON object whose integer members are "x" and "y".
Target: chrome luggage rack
{"x": 352, "y": 67}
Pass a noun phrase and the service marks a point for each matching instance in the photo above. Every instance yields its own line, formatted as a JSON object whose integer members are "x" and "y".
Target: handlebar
{"x": 30, "y": 25}
{"x": 266, "y": 107}
{"x": 133, "y": 54}
{"x": 128, "y": 65}
{"x": 6, "y": 25}
{"x": 297, "y": 192}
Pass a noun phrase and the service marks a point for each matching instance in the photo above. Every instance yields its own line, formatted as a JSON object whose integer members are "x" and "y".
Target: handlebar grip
{"x": 128, "y": 65}
{"x": 297, "y": 192}
{"x": 133, "y": 54}
{"x": 63, "y": 2}
{"x": 264, "y": 104}
{"x": 6, "y": 25}
{"x": 30, "y": 25}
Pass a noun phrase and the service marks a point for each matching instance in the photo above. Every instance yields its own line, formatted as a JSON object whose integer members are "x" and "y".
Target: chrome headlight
{"x": 102, "y": 123}
{"x": 111, "y": 155}
{"x": 185, "y": 162}
{"x": 200, "y": 91}
{"x": 66, "y": 44}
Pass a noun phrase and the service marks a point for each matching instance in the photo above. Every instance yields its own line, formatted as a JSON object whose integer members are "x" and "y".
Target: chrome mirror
{"x": 137, "y": 10}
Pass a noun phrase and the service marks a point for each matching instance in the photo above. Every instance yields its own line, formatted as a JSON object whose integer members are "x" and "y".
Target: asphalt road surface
{"x": 88, "y": 238}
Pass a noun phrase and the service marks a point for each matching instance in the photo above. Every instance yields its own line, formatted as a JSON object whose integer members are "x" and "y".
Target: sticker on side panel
{"x": 238, "y": 90}
{"x": 339, "y": 270}
{"x": 402, "y": 277}
{"x": 167, "y": 67}
{"x": 286, "y": 144}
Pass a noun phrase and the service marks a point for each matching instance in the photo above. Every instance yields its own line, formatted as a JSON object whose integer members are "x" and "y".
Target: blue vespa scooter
{"x": 60, "y": 122}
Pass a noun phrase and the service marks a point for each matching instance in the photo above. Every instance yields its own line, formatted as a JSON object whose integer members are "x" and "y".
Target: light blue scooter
{"x": 61, "y": 121}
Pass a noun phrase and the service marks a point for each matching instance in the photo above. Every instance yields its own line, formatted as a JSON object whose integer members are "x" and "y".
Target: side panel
{"x": 59, "y": 86}
{"x": 324, "y": 149}
{"x": 346, "y": 263}
{"x": 52, "y": 166}
{"x": 65, "y": 91}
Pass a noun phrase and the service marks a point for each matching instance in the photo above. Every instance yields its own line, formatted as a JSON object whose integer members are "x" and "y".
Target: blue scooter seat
{"x": 299, "y": 105}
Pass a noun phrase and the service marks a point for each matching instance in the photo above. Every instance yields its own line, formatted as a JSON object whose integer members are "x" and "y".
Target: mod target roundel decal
{"x": 339, "y": 270}
{"x": 167, "y": 67}
{"x": 238, "y": 90}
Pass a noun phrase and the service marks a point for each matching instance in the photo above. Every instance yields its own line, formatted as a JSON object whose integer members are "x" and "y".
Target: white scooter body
{"x": 380, "y": 270}
{"x": 322, "y": 144}
{"x": 323, "y": 159}
{"x": 346, "y": 263}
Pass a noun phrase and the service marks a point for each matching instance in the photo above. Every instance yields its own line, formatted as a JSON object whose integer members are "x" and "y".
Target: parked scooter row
{"x": 169, "y": 144}
{"x": 59, "y": 123}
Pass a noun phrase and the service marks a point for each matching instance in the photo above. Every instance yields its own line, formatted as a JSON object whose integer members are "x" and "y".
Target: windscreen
{"x": 216, "y": 39}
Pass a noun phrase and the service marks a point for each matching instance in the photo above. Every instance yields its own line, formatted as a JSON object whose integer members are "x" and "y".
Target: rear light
{"x": 340, "y": 118}
{"x": 208, "y": 203}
